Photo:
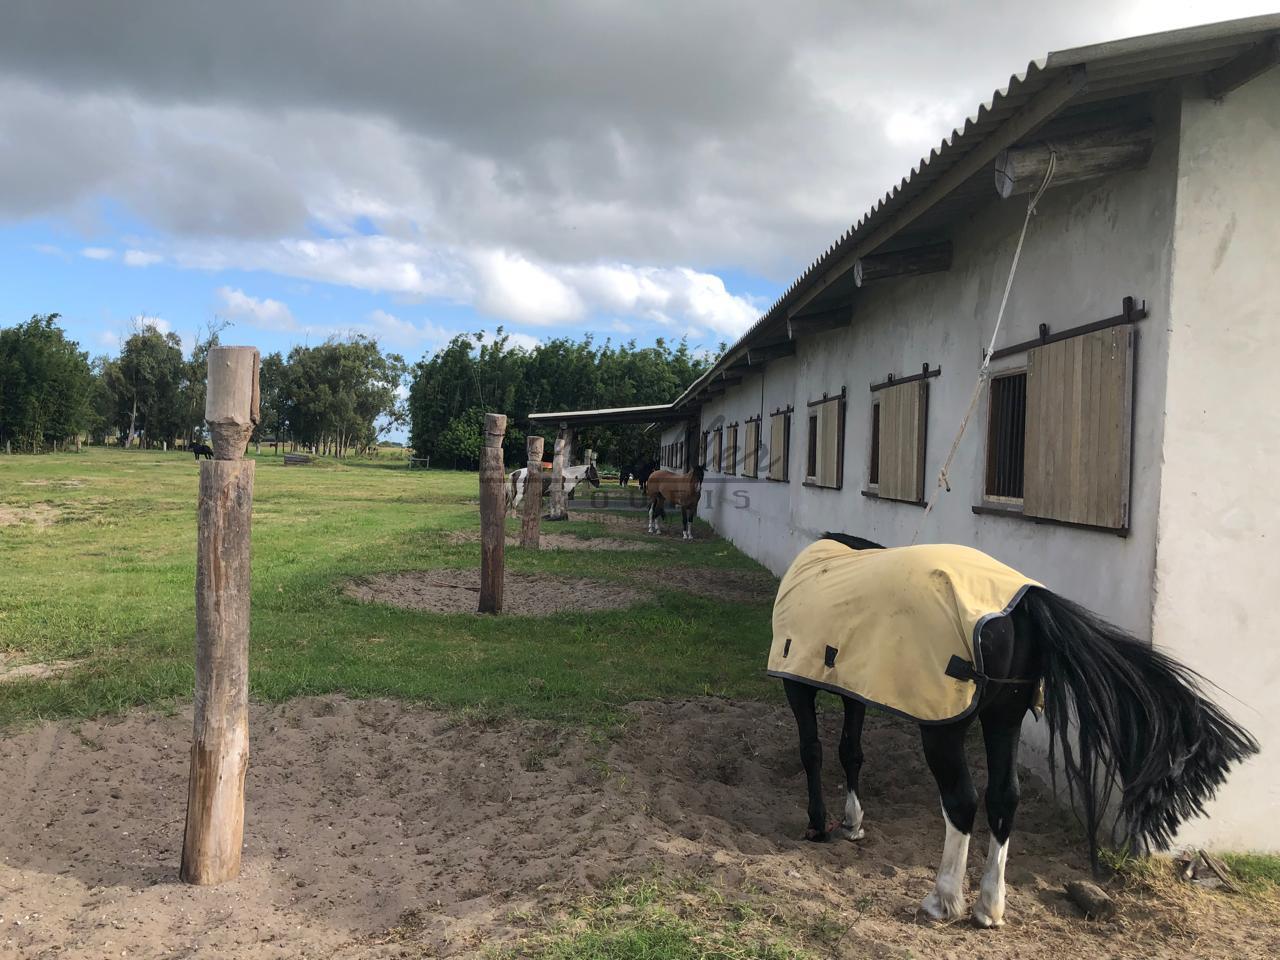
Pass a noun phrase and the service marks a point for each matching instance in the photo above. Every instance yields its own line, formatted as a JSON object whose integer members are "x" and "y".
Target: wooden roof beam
{"x": 758, "y": 356}
{"x": 1254, "y": 62}
{"x": 819, "y": 321}
{"x": 1084, "y": 156}
{"x": 931, "y": 258}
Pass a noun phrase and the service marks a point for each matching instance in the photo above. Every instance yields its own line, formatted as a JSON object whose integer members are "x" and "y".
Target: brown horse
{"x": 681, "y": 489}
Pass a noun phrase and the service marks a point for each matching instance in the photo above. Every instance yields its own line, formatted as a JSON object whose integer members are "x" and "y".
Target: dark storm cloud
{"x": 503, "y": 140}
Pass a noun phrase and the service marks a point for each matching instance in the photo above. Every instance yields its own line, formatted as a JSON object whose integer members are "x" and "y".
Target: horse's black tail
{"x": 1142, "y": 722}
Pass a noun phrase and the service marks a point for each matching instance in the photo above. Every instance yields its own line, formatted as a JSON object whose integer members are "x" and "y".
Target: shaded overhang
{"x": 654, "y": 413}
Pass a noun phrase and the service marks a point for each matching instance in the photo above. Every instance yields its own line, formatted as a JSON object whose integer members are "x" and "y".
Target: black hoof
{"x": 816, "y": 836}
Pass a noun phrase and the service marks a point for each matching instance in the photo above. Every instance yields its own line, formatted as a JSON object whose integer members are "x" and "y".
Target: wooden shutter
{"x": 1079, "y": 421}
{"x": 731, "y": 451}
{"x": 718, "y": 463}
{"x": 829, "y": 465}
{"x": 903, "y": 409}
{"x": 778, "y": 446}
{"x": 750, "y": 453}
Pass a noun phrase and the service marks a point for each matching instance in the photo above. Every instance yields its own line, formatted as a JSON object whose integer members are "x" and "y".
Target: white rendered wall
{"x": 1217, "y": 559}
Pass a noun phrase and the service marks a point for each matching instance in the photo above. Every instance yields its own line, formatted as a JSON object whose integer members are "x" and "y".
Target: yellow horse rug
{"x": 896, "y": 628}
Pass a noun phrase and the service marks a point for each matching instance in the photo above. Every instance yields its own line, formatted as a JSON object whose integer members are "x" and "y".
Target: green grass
{"x": 662, "y": 919}
{"x": 1255, "y": 872}
{"x": 109, "y": 584}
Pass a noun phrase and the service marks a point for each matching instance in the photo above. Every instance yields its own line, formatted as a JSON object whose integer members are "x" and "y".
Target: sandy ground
{"x": 363, "y": 814}
{"x": 523, "y": 594}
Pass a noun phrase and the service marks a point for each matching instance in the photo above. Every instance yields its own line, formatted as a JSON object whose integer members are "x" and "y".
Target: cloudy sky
{"x": 302, "y": 168}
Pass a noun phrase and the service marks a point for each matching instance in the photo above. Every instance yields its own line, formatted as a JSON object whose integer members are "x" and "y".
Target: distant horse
{"x": 1120, "y": 713}
{"x": 682, "y": 489}
{"x": 640, "y": 470}
{"x": 202, "y": 450}
{"x": 573, "y": 476}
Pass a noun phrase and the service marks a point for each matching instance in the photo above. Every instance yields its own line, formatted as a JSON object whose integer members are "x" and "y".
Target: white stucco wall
{"x": 1089, "y": 246}
{"x": 1217, "y": 570}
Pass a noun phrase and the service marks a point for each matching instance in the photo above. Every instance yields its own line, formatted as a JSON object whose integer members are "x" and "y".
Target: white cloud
{"x": 391, "y": 331}
{"x": 514, "y": 288}
{"x": 266, "y": 314}
{"x": 140, "y": 258}
{"x": 98, "y": 253}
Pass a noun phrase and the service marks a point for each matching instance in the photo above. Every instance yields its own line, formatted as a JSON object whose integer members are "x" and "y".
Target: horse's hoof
{"x": 943, "y": 909}
{"x": 848, "y": 833}
{"x": 816, "y": 836}
{"x": 985, "y": 920}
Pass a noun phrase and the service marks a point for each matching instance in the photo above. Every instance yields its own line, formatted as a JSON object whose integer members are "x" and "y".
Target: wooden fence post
{"x": 531, "y": 520}
{"x": 493, "y": 514}
{"x": 560, "y": 460}
{"x": 220, "y": 747}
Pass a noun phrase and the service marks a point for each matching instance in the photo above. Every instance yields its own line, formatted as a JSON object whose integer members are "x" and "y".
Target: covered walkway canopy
{"x": 654, "y": 413}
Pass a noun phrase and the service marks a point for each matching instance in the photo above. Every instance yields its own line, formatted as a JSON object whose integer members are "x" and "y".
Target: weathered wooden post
{"x": 220, "y": 747}
{"x": 531, "y": 520}
{"x": 559, "y": 460}
{"x": 493, "y": 513}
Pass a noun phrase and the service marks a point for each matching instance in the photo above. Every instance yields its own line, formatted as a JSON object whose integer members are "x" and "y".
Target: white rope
{"x": 943, "y": 482}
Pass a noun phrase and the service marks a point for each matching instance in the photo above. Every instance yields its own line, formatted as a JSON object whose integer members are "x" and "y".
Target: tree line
{"x": 474, "y": 374}
{"x": 337, "y": 397}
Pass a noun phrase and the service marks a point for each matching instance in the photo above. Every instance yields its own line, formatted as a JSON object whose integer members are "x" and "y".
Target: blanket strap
{"x": 961, "y": 669}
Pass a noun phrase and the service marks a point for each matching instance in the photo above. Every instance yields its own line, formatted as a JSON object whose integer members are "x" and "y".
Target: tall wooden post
{"x": 560, "y": 460}
{"x": 220, "y": 747}
{"x": 532, "y": 517}
{"x": 493, "y": 512}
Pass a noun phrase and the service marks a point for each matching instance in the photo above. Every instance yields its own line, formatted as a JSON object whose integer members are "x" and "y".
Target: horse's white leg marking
{"x": 652, "y": 526}
{"x": 989, "y": 909}
{"x": 946, "y": 902}
{"x": 851, "y": 826}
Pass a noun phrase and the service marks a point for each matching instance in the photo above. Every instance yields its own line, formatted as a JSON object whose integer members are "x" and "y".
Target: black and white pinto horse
{"x": 1120, "y": 714}
{"x": 573, "y": 476}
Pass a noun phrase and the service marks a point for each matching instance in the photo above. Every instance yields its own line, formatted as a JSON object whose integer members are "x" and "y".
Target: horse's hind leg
{"x": 851, "y": 759}
{"x": 1001, "y": 731}
{"x": 802, "y": 698}
{"x": 686, "y": 523}
{"x": 944, "y": 751}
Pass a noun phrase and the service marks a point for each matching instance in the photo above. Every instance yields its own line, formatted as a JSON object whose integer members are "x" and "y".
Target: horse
{"x": 682, "y": 489}
{"x": 641, "y": 470}
{"x": 202, "y": 450}
{"x": 1119, "y": 713}
{"x": 573, "y": 476}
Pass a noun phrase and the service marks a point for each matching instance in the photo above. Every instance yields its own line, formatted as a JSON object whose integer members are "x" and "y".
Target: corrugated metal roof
{"x": 1112, "y": 71}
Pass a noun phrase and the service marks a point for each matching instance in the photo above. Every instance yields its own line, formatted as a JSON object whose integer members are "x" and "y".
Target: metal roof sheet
{"x": 1113, "y": 70}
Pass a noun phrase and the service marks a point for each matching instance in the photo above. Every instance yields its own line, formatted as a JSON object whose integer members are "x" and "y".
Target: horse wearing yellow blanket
{"x": 942, "y": 634}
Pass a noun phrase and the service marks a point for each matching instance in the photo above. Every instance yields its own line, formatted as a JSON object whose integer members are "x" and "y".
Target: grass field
{"x": 98, "y": 554}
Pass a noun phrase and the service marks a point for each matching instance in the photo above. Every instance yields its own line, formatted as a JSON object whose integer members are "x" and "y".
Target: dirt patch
{"x": 11, "y": 671}
{"x": 35, "y": 514}
{"x": 734, "y": 586}
{"x": 523, "y": 594}
{"x": 559, "y": 541}
{"x": 378, "y": 830}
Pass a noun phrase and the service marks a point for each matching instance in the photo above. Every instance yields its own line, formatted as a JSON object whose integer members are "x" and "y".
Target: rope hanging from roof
{"x": 943, "y": 482}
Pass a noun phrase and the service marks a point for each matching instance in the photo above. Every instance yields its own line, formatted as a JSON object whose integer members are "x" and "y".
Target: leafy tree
{"x": 151, "y": 376}
{"x": 46, "y": 385}
{"x": 471, "y": 375}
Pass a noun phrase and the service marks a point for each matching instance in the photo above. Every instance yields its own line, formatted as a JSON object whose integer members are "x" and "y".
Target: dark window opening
{"x": 811, "y": 470}
{"x": 873, "y": 477}
{"x": 1006, "y": 436}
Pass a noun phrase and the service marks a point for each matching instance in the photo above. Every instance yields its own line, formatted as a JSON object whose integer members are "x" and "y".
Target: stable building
{"x": 1123, "y": 447}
